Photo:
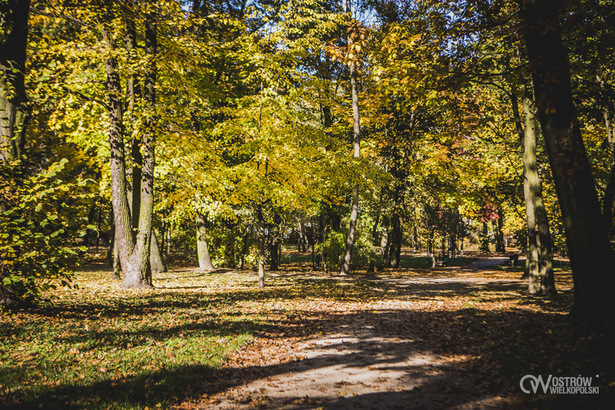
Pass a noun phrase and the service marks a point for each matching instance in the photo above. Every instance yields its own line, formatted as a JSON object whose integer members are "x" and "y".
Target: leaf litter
{"x": 420, "y": 338}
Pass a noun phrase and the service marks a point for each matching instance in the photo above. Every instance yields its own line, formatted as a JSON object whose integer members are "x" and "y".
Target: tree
{"x": 201, "y": 239}
{"x": 14, "y": 110}
{"x": 539, "y": 255}
{"x": 133, "y": 251}
{"x": 586, "y": 236}
{"x": 354, "y": 36}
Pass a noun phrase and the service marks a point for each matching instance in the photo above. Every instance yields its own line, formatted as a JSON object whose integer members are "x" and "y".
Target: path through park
{"x": 366, "y": 355}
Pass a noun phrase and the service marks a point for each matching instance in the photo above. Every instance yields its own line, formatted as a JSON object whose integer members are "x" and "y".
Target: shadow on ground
{"x": 458, "y": 356}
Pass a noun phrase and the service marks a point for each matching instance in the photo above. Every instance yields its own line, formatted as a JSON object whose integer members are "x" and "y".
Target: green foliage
{"x": 40, "y": 217}
{"x": 333, "y": 246}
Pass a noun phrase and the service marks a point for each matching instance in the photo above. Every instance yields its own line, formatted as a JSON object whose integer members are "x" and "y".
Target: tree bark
{"x": 354, "y": 213}
{"x": 301, "y": 242}
{"x": 133, "y": 90}
{"x": 14, "y": 111}
{"x": 540, "y": 255}
{"x": 586, "y": 236}
{"x": 201, "y": 243}
{"x": 498, "y": 227}
{"x": 484, "y": 241}
{"x": 396, "y": 238}
{"x": 155, "y": 256}
{"x": 261, "y": 246}
{"x": 133, "y": 251}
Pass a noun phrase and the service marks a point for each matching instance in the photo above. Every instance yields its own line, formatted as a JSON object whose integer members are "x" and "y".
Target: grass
{"x": 407, "y": 262}
{"x": 97, "y": 346}
{"x": 414, "y": 262}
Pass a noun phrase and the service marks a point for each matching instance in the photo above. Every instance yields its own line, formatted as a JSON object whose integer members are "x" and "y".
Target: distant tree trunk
{"x": 274, "y": 251}
{"x": 201, "y": 243}
{"x": 354, "y": 213}
{"x": 167, "y": 242}
{"x": 375, "y": 236}
{"x": 586, "y": 236}
{"x": 301, "y": 242}
{"x": 109, "y": 256}
{"x": 484, "y": 240}
{"x": 155, "y": 257}
{"x": 14, "y": 111}
{"x": 313, "y": 243}
{"x": 261, "y": 246}
{"x": 498, "y": 226}
{"x": 274, "y": 243}
{"x": 396, "y": 239}
{"x": 443, "y": 244}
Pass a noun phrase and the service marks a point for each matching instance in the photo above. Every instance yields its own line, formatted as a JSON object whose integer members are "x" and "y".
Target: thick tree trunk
{"x": 586, "y": 236}
{"x": 354, "y": 213}
{"x": 133, "y": 251}
{"x": 133, "y": 90}
{"x": 14, "y": 111}
{"x": 540, "y": 255}
{"x": 201, "y": 243}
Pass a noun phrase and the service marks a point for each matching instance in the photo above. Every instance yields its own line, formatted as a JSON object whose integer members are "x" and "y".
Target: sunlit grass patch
{"x": 97, "y": 345}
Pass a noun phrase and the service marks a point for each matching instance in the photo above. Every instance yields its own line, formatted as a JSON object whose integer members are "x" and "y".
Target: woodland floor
{"x": 453, "y": 337}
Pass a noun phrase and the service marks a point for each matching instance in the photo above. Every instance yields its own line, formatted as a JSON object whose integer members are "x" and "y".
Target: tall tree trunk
{"x": 14, "y": 111}
{"x": 133, "y": 252}
{"x": 586, "y": 236}
{"x": 201, "y": 243}
{"x": 540, "y": 268}
{"x": 134, "y": 94}
{"x": 354, "y": 213}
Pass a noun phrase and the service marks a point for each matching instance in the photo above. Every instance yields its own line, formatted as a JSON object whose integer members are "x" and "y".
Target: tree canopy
{"x": 353, "y": 129}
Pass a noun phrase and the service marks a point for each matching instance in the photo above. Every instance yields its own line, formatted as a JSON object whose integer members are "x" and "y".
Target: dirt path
{"x": 358, "y": 368}
{"x": 362, "y": 357}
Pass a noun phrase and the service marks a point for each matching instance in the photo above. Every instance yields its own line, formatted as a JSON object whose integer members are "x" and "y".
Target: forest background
{"x": 352, "y": 129}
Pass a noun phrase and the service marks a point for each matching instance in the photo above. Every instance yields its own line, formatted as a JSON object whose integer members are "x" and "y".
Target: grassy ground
{"x": 97, "y": 346}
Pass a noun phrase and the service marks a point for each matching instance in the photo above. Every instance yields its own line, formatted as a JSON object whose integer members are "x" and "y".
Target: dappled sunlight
{"x": 396, "y": 336}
